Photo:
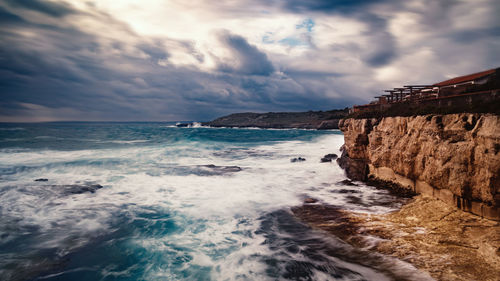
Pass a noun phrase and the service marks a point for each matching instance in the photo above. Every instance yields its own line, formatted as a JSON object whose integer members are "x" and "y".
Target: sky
{"x": 173, "y": 60}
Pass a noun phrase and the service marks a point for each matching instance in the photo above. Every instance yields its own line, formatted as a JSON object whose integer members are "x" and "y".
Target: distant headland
{"x": 321, "y": 120}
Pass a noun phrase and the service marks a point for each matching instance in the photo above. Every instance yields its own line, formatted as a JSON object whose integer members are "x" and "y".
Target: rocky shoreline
{"x": 452, "y": 229}
{"x": 436, "y": 238}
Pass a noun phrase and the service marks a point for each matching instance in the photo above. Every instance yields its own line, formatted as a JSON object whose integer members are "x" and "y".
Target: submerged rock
{"x": 221, "y": 169}
{"x": 42, "y": 179}
{"x": 329, "y": 157}
{"x": 297, "y": 159}
{"x": 77, "y": 189}
{"x": 316, "y": 215}
{"x": 310, "y": 200}
{"x": 347, "y": 182}
{"x": 202, "y": 170}
{"x": 345, "y": 191}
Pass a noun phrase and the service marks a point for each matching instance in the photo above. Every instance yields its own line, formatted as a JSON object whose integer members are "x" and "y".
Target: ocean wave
{"x": 177, "y": 210}
{"x": 12, "y": 139}
{"x": 125, "y": 141}
{"x": 13, "y": 129}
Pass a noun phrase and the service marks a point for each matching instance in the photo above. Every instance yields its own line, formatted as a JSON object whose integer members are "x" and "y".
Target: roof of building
{"x": 466, "y": 78}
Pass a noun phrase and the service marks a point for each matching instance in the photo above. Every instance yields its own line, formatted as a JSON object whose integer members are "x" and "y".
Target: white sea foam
{"x": 128, "y": 141}
{"x": 218, "y": 214}
{"x": 195, "y": 125}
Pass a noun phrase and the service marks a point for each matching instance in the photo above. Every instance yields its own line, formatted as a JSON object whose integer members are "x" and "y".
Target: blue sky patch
{"x": 305, "y": 27}
{"x": 307, "y": 24}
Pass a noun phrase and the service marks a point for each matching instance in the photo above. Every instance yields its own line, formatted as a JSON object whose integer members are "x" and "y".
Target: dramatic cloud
{"x": 326, "y": 5}
{"x": 50, "y": 8}
{"x": 247, "y": 59}
{"x": 196, "y": 60}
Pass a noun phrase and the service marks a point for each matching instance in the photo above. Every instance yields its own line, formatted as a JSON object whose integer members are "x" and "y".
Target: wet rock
{"x": 77, "y": 189}
{"x": 355, "y": 200}
{"x": 393, "y": 187}
{"x": 221, "y": 169}
{"x": 343, "y": 191}
{"x": 339, "y": 223}
{"x": 329, "y": 157}
{"x": 297, "y": 159}
{"x": 432, "y": 236}
{"x": 347, "y": 182}
{"x": 42, "y": 179}
{"x": 310, "y": 200}
{"x": 202, "y": 170}
{"x": 356, "y": 169}
{"x": 182, "y": 125}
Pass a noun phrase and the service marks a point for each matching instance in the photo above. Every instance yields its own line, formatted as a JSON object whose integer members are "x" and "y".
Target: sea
{"x": 151, "y": 201}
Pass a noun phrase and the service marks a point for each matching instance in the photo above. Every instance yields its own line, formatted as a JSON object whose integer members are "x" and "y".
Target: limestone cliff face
{"x": 454, "y": 157}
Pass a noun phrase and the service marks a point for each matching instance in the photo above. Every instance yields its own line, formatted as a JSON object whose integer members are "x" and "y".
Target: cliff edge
{"x": 454, "y": 157}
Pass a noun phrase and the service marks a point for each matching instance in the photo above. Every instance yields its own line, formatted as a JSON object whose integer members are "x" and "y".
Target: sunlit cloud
{"x": 196, "y": 60}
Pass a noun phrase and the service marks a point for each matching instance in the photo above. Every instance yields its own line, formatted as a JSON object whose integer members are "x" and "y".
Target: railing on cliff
{"x": 478, "y": 92}
{"x": 487, "y": 101}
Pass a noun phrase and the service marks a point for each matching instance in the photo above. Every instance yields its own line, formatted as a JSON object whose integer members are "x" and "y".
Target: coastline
{"x": 429, "y": 231}
{"x": 452, "y": 229}
{"x": 436, "y": 238}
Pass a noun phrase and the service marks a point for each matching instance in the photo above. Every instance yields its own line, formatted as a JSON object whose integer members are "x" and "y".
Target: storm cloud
{"x": 166, "y": 61}
{"x": 247, "y": 59}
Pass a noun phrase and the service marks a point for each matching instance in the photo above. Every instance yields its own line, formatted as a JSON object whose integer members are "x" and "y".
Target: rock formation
{"x": 297, "y": 159}
{"x": 454, "y": 157}
{"x": 329, "y": 158}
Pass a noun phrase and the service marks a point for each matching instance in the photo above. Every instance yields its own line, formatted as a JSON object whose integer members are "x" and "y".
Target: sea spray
{"x": 175, "y": 203}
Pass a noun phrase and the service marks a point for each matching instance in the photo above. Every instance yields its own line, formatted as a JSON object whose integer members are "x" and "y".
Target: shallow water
{"x": 175, "y": 204}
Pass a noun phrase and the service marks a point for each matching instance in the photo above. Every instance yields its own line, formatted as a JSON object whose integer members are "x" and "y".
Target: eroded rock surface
{"x": 453, "y": 157}
{"x": 434, "y": 237}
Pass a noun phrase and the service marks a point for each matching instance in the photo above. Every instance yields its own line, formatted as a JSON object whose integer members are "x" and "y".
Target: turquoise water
{"x": 149, "y": 201}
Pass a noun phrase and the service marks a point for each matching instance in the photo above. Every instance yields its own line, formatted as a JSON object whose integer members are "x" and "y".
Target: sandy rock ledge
{"x": 433, "y": 236}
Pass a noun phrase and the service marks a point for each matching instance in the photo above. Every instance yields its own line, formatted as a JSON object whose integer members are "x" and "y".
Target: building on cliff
{"x": 467, "y": 89}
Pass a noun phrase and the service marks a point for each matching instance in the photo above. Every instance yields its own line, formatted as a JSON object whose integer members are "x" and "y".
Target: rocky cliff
{"x": 454, "y": 157}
